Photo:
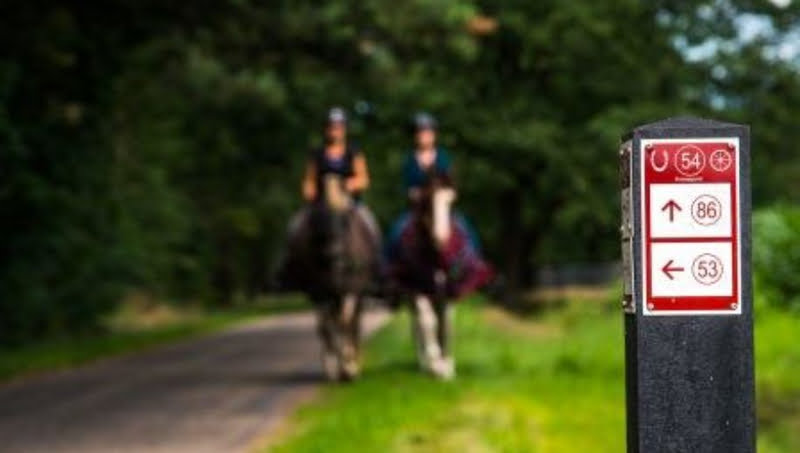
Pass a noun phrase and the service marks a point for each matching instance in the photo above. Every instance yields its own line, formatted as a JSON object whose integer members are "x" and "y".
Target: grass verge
{"x": 552, "y": 384}
{"x": 131, "y": 329}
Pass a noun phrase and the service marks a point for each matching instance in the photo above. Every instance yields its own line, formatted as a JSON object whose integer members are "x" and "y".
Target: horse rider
{"x": 425, "y": 161}
{"x": 339, "y": 157}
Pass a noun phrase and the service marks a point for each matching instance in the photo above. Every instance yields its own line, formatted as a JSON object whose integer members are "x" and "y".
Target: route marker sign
{"x": 687, "y": 292}
{"x": 690, "y": 247}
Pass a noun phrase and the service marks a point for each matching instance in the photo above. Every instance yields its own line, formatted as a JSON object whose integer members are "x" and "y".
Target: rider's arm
{"x": 360, "y": 179}
{"x": 410, "y": 177}
{"x": 310, "y": 181}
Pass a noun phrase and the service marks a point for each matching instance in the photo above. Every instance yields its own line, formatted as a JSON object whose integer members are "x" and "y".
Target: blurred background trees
{"x": 158, "y": 147}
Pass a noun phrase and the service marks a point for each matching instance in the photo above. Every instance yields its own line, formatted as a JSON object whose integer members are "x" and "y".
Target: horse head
{"x": 434, "y": 210}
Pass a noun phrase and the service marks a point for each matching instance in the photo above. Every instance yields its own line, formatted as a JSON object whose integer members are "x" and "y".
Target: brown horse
{"x": 333, "y": 261}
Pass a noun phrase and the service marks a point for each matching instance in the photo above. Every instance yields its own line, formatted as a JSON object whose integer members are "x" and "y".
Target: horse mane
{"x": 439, "y": 180}
{"x": 336, "y": 197}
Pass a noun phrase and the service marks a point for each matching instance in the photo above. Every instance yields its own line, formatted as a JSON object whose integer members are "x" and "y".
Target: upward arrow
{"x": 672, "y": 206}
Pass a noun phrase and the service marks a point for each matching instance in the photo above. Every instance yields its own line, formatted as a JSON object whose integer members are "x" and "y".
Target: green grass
{"x": 129, "y": 332}
{"x": 778, "y": 376}
{"x": 553, "y": 383}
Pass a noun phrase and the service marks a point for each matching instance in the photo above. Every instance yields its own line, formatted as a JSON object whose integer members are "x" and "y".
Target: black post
{"x": 687, "y": 292}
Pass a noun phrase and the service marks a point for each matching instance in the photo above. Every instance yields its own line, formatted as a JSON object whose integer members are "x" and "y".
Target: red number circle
{"x": 706, "y": 210}
{"x": 690, "y": 160}
{"x": 707, "y": 269}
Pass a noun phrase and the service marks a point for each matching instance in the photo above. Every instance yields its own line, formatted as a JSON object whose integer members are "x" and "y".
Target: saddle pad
{"x": 465, "y": 268}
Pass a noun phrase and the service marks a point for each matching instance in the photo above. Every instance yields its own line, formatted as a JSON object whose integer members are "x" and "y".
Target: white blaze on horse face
{"x": 336, "y": 197}
{"x": 442, "y": 202}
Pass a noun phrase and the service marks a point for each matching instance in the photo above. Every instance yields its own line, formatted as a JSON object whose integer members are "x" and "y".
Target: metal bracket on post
{"x": 626, "y": 227}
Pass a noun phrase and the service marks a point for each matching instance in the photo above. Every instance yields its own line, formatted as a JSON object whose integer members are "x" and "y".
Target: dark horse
{"x": 333, "y": 262}
{"x": 420, "y": 269}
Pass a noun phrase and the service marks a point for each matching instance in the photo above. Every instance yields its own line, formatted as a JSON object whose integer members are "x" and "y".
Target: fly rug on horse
{"x": 334, "y": 263}
{"x": 434, "y": 262}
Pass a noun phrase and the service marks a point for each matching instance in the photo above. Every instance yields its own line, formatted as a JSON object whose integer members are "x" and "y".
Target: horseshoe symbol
{"x": 662, "y": 167}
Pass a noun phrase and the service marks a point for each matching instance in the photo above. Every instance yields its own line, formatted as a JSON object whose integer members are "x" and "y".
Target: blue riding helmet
{"x": 423, "y": 120}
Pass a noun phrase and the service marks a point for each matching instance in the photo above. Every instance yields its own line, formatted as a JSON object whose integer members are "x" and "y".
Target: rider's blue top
{"x": 415, "y": 176}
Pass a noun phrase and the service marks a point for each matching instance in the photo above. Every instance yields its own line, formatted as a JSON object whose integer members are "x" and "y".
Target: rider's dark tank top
{"x": 343, "y": 166}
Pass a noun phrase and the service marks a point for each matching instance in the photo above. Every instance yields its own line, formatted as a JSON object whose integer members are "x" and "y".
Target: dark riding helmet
{"x": 336, "y": 115}
{"x": 423, "y": 120}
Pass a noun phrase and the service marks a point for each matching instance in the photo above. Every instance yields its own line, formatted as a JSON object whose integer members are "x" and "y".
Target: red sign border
{"x": 687, "y": 305}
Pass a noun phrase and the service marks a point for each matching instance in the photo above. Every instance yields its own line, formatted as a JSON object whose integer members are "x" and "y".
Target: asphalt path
{"x": 221, "y": 393}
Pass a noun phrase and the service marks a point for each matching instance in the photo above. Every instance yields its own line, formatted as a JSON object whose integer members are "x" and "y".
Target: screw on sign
{"x": 691, "y": 259}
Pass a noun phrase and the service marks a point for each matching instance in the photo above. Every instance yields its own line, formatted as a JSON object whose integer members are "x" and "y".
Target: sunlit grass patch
{"x": 522, "y": 385}
{"x": 551, "y": 383}
{"x": 778, "y": 377}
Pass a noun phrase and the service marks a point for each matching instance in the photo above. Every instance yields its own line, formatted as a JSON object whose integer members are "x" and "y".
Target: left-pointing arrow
{"x": 668, "y": 269}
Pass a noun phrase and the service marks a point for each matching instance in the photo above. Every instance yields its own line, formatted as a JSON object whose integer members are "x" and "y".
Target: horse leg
{"x": 428, "y": 349}
{"x": 444, "y": 316}
{"x": 349, "y": 336}
{"x": 418, "y": 336}
{"x": 326, "y": 328}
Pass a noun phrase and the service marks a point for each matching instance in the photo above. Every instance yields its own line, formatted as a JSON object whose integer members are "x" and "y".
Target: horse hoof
{"x": 350, "y": 370}
{"x": 425, "y": 364}
{"x": 444, "y": 368}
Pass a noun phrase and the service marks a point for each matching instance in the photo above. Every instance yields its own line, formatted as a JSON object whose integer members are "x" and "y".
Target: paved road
{"x": 216, "y": 394}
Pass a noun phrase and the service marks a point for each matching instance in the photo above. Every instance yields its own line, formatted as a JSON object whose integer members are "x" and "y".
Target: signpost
{"x": 687, "y": 292}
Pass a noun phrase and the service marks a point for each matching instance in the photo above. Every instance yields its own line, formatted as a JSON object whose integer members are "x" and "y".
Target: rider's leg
{"x": 469, "y": 230}
{"x": 379, "y": 269}
{"x": 393, "y": 245}
{"x": 368, "y": 218}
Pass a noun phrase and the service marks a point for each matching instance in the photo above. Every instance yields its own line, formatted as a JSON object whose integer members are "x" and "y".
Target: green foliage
{"x": 133, "y": 328}
{"x": 776, "y": 255}
{"x": 158, "y": 146}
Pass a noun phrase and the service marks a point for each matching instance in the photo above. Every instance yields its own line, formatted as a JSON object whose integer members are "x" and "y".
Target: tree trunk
{"x": 514, "y": 255}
